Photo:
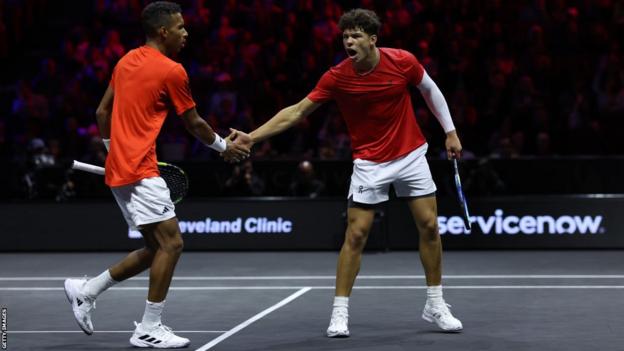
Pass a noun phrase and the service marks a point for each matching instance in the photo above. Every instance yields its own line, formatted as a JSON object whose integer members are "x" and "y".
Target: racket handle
{"x": 85, "y": 167}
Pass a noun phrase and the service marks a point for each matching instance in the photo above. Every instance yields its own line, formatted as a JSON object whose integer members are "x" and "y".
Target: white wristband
{"x": 106, "y": 144}
{"x": 218, "y": 144}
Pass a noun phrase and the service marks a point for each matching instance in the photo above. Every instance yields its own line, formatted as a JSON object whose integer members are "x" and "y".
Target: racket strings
{"x": 176, "y": 181}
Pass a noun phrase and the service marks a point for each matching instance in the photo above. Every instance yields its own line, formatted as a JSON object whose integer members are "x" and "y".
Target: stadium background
{"x": 535, "y": 89}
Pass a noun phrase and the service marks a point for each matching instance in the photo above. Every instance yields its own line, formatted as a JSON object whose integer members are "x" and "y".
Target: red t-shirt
{"x": 376, "y": 106}
{"x": 146, "y": 85}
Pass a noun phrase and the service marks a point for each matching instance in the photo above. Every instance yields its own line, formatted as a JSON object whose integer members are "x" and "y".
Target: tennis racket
{"x": 174, "y": 176}
{"x": 463, "y": 204}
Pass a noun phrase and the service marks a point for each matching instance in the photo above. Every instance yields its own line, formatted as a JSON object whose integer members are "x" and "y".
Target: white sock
{"x": 153, "y": 311}
{"x": 97, "y": 285}
{"x": 434, "y": 293}
{"x": 341, "y": 302}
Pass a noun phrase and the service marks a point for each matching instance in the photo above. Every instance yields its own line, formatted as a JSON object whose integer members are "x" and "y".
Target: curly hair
{"x": 363, "y": 19}
{"x": 156, "y": 15}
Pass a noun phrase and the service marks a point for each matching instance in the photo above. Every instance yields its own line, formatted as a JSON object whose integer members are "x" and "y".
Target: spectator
{"x": 244, "y": 181}
{"x": 306, "y": 183}
{"x": 483, "y": 180}
{"x": 39, "y": 160}
{"x": 534, "y": 67}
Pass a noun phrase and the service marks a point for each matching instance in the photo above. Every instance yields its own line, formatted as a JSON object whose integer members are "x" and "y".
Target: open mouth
{"x": 352, "y": 53}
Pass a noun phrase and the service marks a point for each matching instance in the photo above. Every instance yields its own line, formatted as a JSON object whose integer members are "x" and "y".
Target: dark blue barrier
{"x": 537, "y": 222}
{"x": 482, "y": 177}
{"x": 532, "y": 222}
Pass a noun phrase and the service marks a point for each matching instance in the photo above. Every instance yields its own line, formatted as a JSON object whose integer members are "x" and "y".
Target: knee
{"x": 173, "y": 245}
{"x": 356, "y": 237}
{"x": 428, "y": 229}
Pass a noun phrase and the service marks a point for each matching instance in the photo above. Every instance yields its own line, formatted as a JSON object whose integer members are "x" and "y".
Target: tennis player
{"x": 145, "y": 83}
{"x": 371, "y": 90}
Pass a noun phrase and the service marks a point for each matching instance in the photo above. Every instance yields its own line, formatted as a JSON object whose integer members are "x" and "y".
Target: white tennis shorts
{"x": 144, "y": 202}
{"x": 410, "y": 175}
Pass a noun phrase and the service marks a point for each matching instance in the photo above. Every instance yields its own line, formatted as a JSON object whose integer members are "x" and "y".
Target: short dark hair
{"x": 156, "y": 15}
{"x": 363, "y": 19}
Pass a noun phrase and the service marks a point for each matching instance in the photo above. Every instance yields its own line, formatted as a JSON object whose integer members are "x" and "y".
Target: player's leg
{"x": 369, "y": 186}
{"x": 416, "y": 184}
{"x": 424, "y": 211}
{"x": 359, "y": 222}
{"x": 136, "y": 262}
{"x": 167, "y": 235}
{"x": 151, "y": 332}
{"x": 81, "y": 293}
{"x": 425, "y": 214}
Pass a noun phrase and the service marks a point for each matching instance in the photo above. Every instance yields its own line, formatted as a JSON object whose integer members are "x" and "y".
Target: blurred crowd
{"x": 526, "y": 77}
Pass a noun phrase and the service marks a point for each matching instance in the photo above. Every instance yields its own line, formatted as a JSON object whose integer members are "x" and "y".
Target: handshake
{"x": 238, "y": 146}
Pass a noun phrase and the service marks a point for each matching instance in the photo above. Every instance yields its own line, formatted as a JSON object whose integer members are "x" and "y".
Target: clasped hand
{"x": 238, "y": 146}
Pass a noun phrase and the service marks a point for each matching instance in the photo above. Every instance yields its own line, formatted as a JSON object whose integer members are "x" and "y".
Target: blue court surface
{"x": 507, "y": 300}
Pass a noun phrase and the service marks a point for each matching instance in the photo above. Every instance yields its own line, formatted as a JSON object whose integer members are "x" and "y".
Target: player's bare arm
{"x": 438, "y": 106}
{"x": 103, "y": 113}
{"x": 199, "y": 128}
{"x": 284, "y": 119}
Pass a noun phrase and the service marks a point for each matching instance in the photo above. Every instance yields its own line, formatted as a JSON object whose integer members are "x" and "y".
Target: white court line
{"x": 363, "y": 287}
{"x": 258, "y": 316}
{"x": 324, "y": 277}
{"x": 460, "y": 287}
{"x": 104, "y": 331}
{"x": 181, "y": 288}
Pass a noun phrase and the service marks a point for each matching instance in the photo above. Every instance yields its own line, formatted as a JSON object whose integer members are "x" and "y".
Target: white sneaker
{"x": 440, "y": 313}
{"x": 339, "y": 324}
{"x": 81, "y": 304}
{"x": 159, "y": 337}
